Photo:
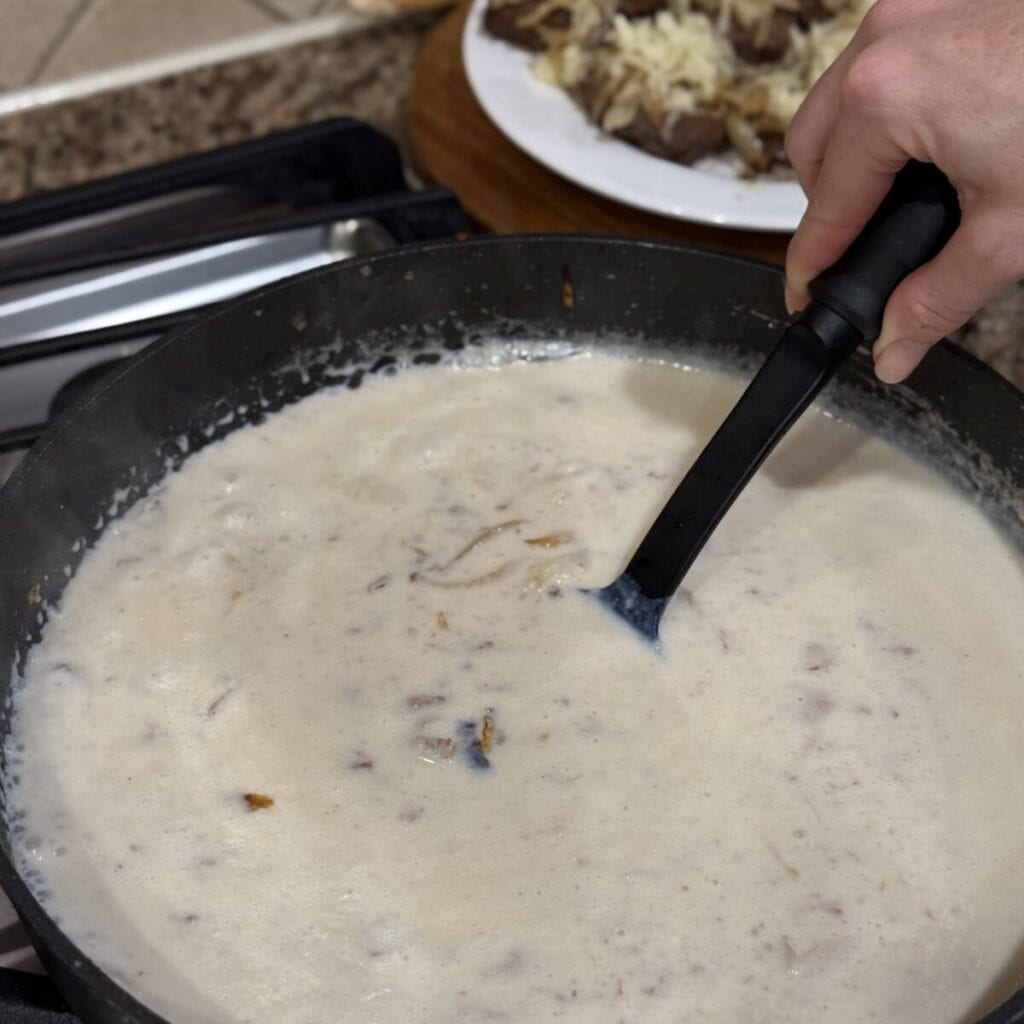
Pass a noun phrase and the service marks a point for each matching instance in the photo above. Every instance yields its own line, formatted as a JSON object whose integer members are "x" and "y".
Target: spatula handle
{"x": 914, "y": 222}
{"x": 916, "y": 219}
{"x": 792, "y": 375}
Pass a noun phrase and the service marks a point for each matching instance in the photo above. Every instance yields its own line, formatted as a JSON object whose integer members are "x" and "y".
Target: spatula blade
{"x": 624, "y": 598}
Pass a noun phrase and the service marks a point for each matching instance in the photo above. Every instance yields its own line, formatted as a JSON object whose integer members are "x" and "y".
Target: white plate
{"x": 544, "y": 122}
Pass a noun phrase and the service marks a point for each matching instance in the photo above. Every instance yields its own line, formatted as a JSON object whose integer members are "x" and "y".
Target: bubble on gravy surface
{"x": 322, "y": 729}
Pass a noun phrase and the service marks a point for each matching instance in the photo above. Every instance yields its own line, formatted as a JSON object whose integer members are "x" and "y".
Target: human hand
{"x": 940, "y": 81}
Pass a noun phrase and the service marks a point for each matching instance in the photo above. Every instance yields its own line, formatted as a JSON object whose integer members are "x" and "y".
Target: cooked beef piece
{"x": 812, "y": 11}
{"x": 759, "y": 44}
{"x": 505, "y": 23}
{"x": 692, "y": 136}
{"x": 685, "y": 138}
{"x": 587, "y": 94}
{"x": 640, "y": 8}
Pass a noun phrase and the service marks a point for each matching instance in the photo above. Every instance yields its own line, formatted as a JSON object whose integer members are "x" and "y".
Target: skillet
{"x": 418, "y": 305}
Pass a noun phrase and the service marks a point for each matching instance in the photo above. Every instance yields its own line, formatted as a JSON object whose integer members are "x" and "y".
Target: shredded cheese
{"x": 679, "y": 63}
{"x": 681, "y": 60}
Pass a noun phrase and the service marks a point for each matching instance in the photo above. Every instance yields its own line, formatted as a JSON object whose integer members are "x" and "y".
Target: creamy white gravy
{"x": 490, "y": 802}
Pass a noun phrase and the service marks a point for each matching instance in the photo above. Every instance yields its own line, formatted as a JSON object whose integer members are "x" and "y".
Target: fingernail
{"x": 884, "y": 340}
{"x": 794, "y": 299}
{"x": 896, "y": 359}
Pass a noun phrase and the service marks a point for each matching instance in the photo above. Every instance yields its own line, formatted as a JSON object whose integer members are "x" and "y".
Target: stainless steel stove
{"x": 92, "y": 274}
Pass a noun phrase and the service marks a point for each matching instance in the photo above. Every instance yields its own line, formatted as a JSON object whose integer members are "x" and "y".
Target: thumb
{"x": 944, "y": 294}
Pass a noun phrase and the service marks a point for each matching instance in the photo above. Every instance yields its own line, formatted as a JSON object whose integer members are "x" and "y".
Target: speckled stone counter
{"x": 364, "y": 74}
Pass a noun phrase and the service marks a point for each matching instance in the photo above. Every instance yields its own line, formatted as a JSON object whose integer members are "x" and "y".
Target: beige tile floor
{"x": 45, "y": 41}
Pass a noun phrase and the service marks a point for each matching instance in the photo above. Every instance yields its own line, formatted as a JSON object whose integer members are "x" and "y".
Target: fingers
{"x": 811, "y": 128}
{"x": 942, "y": 296}
{"x": 846, "y": 147}
{"x": 856, "y": 173}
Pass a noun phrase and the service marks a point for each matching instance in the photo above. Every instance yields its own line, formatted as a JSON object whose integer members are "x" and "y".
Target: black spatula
{"x": 914, "y": 222}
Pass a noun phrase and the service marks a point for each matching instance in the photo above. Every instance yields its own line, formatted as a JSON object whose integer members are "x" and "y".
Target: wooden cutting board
{"x": 504, "y": 190}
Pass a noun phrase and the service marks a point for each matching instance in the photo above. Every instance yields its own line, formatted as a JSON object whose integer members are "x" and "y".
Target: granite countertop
{"x": 364, "y": 73}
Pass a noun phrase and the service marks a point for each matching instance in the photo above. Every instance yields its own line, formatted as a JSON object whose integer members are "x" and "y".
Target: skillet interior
{"x": 338, "y": 324}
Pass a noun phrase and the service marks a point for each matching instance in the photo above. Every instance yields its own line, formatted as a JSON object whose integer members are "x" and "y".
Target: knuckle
{"x": 932, "y": 315}
{"x": 873, "y": 80}
{"x": 799, "y": 151}
{"x": 828, "y": 218}
{"x": 993, "y": 242}
{"x": 827, "y": 209}
{"x": 1000, "y": 245}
